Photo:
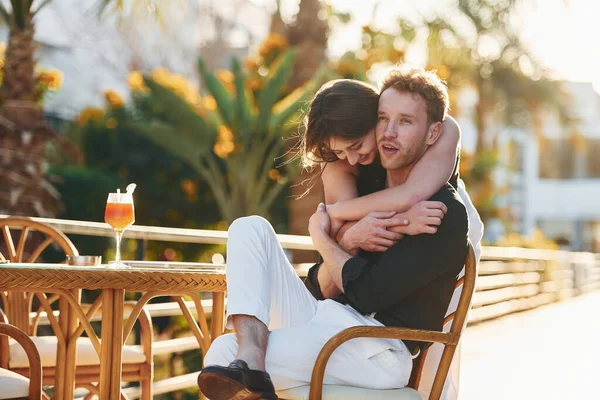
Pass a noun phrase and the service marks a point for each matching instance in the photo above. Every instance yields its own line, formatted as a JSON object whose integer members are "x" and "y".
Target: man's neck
{"x": 398, "y": 176}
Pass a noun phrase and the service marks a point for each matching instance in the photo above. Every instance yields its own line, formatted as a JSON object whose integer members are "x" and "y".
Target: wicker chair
{"x": 318, "y": 391}
{"x": 137, "y": 361}
{"x": 15, "y": 386}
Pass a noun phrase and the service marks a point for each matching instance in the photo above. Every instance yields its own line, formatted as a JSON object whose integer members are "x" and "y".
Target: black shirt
{"x": 410, "y": 284}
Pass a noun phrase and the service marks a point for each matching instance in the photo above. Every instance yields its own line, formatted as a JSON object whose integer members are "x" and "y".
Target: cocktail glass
{"x": 119, "y": 214}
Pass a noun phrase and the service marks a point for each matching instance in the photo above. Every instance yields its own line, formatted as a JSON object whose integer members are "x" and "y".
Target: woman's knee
{"x": 222, "y": 351}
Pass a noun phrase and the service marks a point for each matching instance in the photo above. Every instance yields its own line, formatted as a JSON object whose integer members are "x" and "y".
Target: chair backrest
{"x": 35, "y": 364}
{"x": 35, "y": 237}
{"x": 458, "y": 319}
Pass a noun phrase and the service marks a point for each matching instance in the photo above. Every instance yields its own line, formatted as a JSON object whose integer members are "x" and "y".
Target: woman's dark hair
{"x": 342, "y": 108}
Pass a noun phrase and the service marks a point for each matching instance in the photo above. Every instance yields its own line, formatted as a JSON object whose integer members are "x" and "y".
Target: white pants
{"x": 261, "y": 282}
{"x": 434, "y": 354}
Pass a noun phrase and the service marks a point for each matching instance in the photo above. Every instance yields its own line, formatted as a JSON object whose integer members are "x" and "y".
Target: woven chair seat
{"x": 339, "y": 392}
{"x": 86, "y": 354}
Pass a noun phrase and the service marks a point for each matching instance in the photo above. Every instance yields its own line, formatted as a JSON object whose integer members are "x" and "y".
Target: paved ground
{"x": 549, "y": 353}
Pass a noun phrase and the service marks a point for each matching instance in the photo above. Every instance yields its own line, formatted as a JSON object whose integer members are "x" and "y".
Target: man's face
{"x": 402, "y": 128}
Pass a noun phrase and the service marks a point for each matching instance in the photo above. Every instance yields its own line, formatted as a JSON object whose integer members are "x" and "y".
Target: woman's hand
{"x": 371, "y": 233}
{"x": 423, "y": 217}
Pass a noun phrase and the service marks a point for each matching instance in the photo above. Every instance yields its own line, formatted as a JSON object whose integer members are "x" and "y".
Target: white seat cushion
{"x": 339, "y": 392}
{"x": 13, "y": 385}
{"x": 86, "y": 355}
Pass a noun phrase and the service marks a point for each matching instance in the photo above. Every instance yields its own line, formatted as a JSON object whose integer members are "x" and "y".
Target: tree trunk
{"x": 308, "y": 35}
{"x": 24, "y": 135}
{"x": 23, "y": 164}
{"x": 19, "y": 80}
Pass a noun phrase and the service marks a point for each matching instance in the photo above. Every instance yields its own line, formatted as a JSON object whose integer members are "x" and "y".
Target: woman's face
{"x": 361, "y": 151}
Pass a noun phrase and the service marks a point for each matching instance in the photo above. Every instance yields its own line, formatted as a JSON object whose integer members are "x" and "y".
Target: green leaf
{"x": 179, "y": 112}
{"x": 20, "y": 11}
{"x": 186, "y": 148}
{"x": 218, "y": 91}
{"x": 44, "y": 4}
{"x": 243, "y": 105}
{"x": 202, "y": 131}
{"x": 4, "y": 14}
{"x": 281, "y": 70}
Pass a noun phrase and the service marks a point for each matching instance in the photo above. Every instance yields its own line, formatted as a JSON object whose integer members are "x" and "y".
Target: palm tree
{"x": 307, "y": 35}
{"x": 23, "y": 133}
{"x": 235, "y": 143}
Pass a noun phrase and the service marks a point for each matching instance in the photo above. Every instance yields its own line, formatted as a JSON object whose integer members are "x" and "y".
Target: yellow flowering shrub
{"x": 225, "y": 145}
{"x": 273, "y": 44}
{"x": 178, "y": 84}
{"x": 209, "y": 103}
{"x": 51, "y": 79}
{"x": 90, "y": 114}
{"x": 227, "y": 79}
{"x": 135, "y": 81}
{"x": 114, "y": 99}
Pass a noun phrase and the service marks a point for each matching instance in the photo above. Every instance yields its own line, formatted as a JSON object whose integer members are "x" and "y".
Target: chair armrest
{"x": 35, "y": 364}
{"x": 382, "y": 332}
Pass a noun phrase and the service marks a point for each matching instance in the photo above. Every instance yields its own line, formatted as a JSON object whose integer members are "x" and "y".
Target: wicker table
{"x": 151, "y": 282}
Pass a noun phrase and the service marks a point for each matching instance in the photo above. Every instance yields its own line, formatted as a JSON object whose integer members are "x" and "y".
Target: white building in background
{"x": 555, "y": 182}
{"x": 96, "y": 54}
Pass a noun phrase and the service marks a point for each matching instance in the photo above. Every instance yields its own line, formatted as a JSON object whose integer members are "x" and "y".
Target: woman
{"x": 340, "y": 136}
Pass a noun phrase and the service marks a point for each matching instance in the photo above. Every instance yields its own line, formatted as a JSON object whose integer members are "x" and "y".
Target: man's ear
{"x": 434, "y": 133}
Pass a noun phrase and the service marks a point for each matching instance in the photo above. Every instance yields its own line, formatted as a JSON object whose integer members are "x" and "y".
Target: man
{"x": 409, "y": 285}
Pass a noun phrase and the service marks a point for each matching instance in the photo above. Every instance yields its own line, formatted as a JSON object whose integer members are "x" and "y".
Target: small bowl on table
{"x": 84, "y": 261}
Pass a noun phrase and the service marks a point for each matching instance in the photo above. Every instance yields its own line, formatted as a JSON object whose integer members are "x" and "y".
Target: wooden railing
{"x": 511, "y": 279}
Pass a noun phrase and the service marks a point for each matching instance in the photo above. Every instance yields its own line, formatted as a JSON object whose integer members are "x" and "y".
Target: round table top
{"x": 26, "y": 276}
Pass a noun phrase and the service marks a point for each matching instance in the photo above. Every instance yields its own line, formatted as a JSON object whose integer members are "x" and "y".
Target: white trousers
{"x": 262, "y": 283}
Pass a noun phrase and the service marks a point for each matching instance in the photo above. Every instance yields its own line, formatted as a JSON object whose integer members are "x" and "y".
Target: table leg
{"x": 61, "y": 351}
{"x": 112, "y": 344}
{"x": 218, "y": 315}
{"x": 117, "y": 359}
{"x": 71, "y": 354}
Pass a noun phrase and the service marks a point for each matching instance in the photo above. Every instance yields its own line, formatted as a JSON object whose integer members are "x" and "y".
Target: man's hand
{"x": 319, "y": 223}
{"x": 423, "y": 217}
{"x": 371, "y": 233}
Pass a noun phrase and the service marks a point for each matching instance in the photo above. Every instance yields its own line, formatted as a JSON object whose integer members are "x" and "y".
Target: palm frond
{"x": 44, "y": 4}
{"x": 4, "y": 14}
{"x": 243, "y": 105}
{"x": 19, "y": 12}
{"x": 276, "y": 79}
{"x": 220, "y": 94}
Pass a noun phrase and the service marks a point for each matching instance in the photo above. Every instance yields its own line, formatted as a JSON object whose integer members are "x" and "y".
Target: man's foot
{"x": 236, "y": 382}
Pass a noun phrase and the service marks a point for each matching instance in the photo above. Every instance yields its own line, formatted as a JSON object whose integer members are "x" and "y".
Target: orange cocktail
{"x": 119, "y": 215}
